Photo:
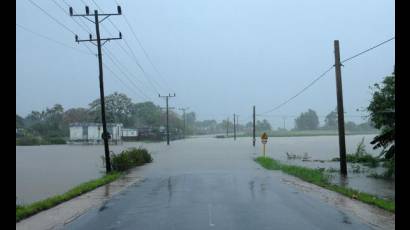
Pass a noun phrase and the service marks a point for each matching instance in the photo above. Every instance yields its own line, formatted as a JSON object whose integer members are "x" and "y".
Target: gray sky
{"x": 219, "y": 57}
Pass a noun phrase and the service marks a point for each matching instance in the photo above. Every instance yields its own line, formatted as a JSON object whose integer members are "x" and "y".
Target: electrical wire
{"x": 300, "y": 92}
{"x": 367, "y": 50}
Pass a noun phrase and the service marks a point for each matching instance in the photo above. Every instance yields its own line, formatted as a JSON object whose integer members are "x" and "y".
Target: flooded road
{"x": 43, "y": 171}
{"x": 214, "y": 184}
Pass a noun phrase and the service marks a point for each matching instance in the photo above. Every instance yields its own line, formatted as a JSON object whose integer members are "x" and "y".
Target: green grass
{"x": 302, "y": 133}
{"x": 320, "y": 178}
{"x": 24, "y": 211}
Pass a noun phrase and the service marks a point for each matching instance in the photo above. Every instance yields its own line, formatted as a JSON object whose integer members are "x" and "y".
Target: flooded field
{"x": 43, "y": 171}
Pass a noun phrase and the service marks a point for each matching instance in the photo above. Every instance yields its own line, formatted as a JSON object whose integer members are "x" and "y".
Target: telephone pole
{"x": 166, "y": 97}
{"x": 254, "y": 131}
{"x": 234, "y": 128}
{"x": 340, "y": 112}
{"x": 96, "y": 21}
{"x": 183, "y": 109}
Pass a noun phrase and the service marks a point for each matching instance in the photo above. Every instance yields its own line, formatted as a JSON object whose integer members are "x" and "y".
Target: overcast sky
{"x": 219, "y": 57}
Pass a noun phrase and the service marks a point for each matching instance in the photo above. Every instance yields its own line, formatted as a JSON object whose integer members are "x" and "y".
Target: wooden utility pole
{"x": 340, "y": 111}
{"x": 166, "y": 97}
{"x": 254, "y": 131}
{"x": 105, "y": 135}
{"x": 234, "y": 127}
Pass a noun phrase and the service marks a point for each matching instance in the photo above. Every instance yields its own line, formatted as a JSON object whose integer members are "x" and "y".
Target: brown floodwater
{"x": 43, "y": 171}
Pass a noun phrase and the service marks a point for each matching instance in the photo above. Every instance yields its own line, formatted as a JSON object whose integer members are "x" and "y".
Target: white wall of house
{"x": 76, "y": 133}
{"x": 94, "y": 132}
{"x": 129, "y": 133}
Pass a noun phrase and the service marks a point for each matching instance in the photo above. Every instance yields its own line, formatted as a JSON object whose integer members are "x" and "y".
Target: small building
{"x": 129, "y": 134}
{"x": 91, "y": 133}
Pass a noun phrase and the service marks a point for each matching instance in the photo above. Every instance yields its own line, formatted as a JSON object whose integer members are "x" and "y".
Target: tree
{"x": 307, "y": 121}
{"x": 331, "y": 121}
{"x": 263, "y": 126}
{"x": 118, "y": 109}
{"x": 382, "y": 115}
{"x": 351, "y": 126}
{"x": 76, "y": 115}
{"x": 48, "y": 123}
{"x": 146, "y": 114}
{"x": 19, "y": 122}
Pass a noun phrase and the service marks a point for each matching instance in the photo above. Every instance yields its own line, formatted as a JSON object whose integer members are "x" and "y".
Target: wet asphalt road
{"x": 212, "y": 184}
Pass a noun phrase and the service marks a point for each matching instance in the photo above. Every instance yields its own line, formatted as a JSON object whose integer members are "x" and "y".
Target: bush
{"x": 28, "y": 140}
{"x": 130, "y": 158}
{"x": 56, "y": 141}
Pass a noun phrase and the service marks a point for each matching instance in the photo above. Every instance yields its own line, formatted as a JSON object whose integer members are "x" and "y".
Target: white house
{"x": 91, "y": 132}
{"x": 129, "y": 134}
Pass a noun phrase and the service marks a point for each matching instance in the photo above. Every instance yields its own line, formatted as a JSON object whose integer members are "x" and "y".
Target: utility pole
{"x": 254, "y": 131}
{"x": 166, "y": 97}
{"x": 340, "y": 118}
{"x": 183, "y": 109}
{"x": 105, "y": 134}
{"x": 234, "y": 127}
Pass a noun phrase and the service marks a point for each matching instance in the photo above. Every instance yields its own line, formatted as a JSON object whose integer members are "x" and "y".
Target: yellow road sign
{"x": 264, "y": 136}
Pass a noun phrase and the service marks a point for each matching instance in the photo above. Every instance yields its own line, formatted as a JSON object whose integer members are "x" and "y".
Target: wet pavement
{"x": 219, "y": 186}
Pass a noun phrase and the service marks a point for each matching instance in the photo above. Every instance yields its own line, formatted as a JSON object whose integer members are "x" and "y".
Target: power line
{"x": 142, "y": 47}
{"x": 49, "y": 15}
{"x": 323, "y": 74}
{"x": 300, "y": 92}
{"x": 373, "y": 47}
{"x": 142, "y": 69}
{"x": 118, "y": 67}
{"x": 134, "y": 56}
{"x": 119, "y": 79}
{"x": 112, "y": 56}
{"x": 58, "y": 22}
{"x": 125, "y": 70}
{"x": 52, "y": 40}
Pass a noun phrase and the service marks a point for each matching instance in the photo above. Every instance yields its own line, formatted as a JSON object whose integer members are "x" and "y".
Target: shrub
{"x": 28, "y": 140}
{"x": 130, "y": 158}
{"x": 56, "y": 140}
{"x": 121, "y": 162}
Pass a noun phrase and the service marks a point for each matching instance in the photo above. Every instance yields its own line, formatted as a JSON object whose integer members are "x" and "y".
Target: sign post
{"x": 264, "y": 139}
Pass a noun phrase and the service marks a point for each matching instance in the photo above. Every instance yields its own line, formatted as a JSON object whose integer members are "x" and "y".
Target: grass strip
{"x": 320, "y": 178}
{"x": 24, "y": 211}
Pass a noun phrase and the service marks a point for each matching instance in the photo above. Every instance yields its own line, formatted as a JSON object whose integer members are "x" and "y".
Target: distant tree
{"x": 382, "y": 114}
{"x": 351, "y": 126}
{"x": 35, "y": 117}
{"x": 19, "y": 122}
{"x": 263, "y": 126}
{"x": 365, "y": 126}
{"x": 307, "y": 121}
{"x": 118, "y": 109}
{"x": 190, "y": 122}
{"x": 331, "y": 121}
{"x": 146, "y": 114}
{"x": 76, "y": 115}
{"x": 48, "y": 123}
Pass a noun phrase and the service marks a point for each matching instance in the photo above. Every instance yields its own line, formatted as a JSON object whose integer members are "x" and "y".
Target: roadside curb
{"x": 64, "y": 213}
{"x": 376, "y": 217}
